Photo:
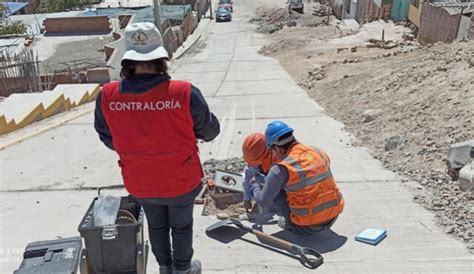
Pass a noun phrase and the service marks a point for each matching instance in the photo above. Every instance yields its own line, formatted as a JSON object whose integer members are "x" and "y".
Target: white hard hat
{"x": 143, "y": 42}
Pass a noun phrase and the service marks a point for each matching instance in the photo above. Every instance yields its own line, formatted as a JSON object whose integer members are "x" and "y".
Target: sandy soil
{"x": 406, "y": 104}
{"x": 223, "y": 201}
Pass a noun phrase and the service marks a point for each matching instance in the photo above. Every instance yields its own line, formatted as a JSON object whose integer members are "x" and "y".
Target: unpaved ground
{"x": 221, "y": 201}
{"x": 406, "y": 104}
{"x": 275, "y": 18}
{"x": 75, "y": 55}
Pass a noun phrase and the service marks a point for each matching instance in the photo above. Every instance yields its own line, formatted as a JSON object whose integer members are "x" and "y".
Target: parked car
{"x": 226, "y": 4}
{"x": 223, "y": 15}
{"x": 296, "y": 5}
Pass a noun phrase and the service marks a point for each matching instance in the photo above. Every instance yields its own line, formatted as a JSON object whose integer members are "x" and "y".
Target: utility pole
{"x": 184, "y": 9}
{"x": 156, "y": 10}
{"x": 210, "y": 9}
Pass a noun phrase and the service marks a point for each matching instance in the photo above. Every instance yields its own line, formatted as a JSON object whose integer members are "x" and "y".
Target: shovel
{"x": 308, "y": 256}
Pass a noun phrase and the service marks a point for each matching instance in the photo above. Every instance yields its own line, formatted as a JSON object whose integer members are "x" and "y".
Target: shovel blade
{"x": 219, "y": 224}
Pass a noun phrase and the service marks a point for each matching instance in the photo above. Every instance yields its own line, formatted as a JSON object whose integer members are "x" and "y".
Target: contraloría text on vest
{"x": 140, "y": 106}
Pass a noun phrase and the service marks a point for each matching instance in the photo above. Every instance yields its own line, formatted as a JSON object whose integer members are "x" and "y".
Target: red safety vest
{"x": 313, "y": 196}
{"x": 153, "y": 134}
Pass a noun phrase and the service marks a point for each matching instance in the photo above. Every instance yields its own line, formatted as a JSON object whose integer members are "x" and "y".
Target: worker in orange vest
{"x": 300, "y": 184}
{"x": 258, "y": 158}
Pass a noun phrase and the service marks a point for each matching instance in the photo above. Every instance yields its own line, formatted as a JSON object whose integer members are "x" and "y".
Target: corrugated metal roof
{"x": 454, "y": 7}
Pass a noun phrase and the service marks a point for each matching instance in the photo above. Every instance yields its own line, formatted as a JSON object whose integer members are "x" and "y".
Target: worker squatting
{"x": 139, "y": 106}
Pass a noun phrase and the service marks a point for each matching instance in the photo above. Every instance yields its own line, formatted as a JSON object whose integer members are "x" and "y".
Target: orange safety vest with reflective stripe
{"x": 311, "y": 190}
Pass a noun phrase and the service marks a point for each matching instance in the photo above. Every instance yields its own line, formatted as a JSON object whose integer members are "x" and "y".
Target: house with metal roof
{"x": 446, "y": 22}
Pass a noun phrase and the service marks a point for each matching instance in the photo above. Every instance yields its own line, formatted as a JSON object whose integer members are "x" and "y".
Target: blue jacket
{"x": 206, "y": 126}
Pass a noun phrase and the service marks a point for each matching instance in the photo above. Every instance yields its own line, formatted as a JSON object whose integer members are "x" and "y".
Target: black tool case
{"x": 55, "y": 256}
{"x": 117, "y": 248}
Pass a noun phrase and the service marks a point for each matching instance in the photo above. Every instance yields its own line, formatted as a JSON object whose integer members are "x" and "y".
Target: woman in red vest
{"x": 153, "y": 124}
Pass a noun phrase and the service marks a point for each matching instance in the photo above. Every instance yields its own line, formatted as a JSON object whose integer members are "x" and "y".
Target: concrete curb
{"x": 43, "y": 130}
{"x": 198, "y": 37}
{"x": 188, "y": 48}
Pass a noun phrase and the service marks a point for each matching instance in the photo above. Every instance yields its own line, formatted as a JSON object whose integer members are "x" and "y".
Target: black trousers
{"x": 171, "y": 216}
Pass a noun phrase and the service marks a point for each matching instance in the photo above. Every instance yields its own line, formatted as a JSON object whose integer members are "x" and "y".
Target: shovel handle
{"x": 308, "y": 256}
{"x": 286, "y": 245}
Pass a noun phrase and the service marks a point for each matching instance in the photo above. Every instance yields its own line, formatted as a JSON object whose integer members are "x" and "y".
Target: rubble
{"x": 316, "y": 75}
{"x": 382, "y": 44}
{"x": 426, "y": 98}
{"x": 321, "y": 10}
{"x": 394, "y": 142}
{"x": 423, "y": 95}
{"x": 370, "y": 115}
{"x": 220, "y": 202}
{"x": 270, "y": 20}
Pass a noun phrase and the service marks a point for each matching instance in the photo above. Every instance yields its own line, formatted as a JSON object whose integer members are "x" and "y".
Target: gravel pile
{"x": 409, "y": 112}
{"x": 270, "y": 20}
{"x": 235, "y": 165}
{"x": 222, "y": 203}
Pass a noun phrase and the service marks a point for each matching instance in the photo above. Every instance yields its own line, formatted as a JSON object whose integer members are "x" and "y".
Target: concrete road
{"x": 46, "y": 180}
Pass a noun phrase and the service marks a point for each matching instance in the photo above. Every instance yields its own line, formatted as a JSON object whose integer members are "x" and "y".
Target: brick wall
{"x": 437, "y": 25}
{"x": 98, "y": 75}
{"x": 87, "y": 24}
{"x": 376, "y": 13}
{"x": 124, "y": 20}
{"x": 368, "y": 10}
{"x": 48, "y": 82}
{"x": 187, "y": 25}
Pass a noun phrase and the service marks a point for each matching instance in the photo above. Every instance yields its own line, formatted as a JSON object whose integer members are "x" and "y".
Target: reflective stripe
{"x": 316, "y": 209}
{"x": 325, "y": 206}
{"x": 299, "y": 169}
{"x": 321, "y": 154}
{"x": 300, "y": 211}
{"x": 309, "y": 181}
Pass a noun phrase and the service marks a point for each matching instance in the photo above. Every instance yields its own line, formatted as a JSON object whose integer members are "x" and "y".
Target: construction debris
{"x": 425, "y": 104}
{"x": 274, "y": 19}
{"x": 321, "y": 10}
{"x": 224, "y": 201}
{"x": 460, "y": 164}
{"x": 422, "y": 97}
{"x": 382, "y": 44}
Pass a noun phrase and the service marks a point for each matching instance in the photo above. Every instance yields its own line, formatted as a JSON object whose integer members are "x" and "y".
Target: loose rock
{"x": 222, "y": 216}
{"x": 394, "y": 142}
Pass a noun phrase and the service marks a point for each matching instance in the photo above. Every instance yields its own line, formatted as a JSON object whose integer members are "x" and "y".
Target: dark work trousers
{"x": 283, "y": 209}
{"x": 175, "y": 215}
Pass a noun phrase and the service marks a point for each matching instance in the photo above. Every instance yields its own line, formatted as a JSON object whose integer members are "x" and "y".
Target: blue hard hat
{"x": 275, "y": 130}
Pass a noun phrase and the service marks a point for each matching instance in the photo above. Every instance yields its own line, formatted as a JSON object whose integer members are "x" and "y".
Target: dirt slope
{"x": 405, "y": 104}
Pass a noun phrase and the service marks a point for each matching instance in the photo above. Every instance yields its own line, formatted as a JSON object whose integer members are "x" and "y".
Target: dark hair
{"x": 289, "y": 143}
{"x": 129, "y": 66}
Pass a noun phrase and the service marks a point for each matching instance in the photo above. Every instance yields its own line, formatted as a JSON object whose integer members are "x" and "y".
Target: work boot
{"x": 166, "y": 269}
{"x": 195, "y": 268}
{"x": 283, "y": 223}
